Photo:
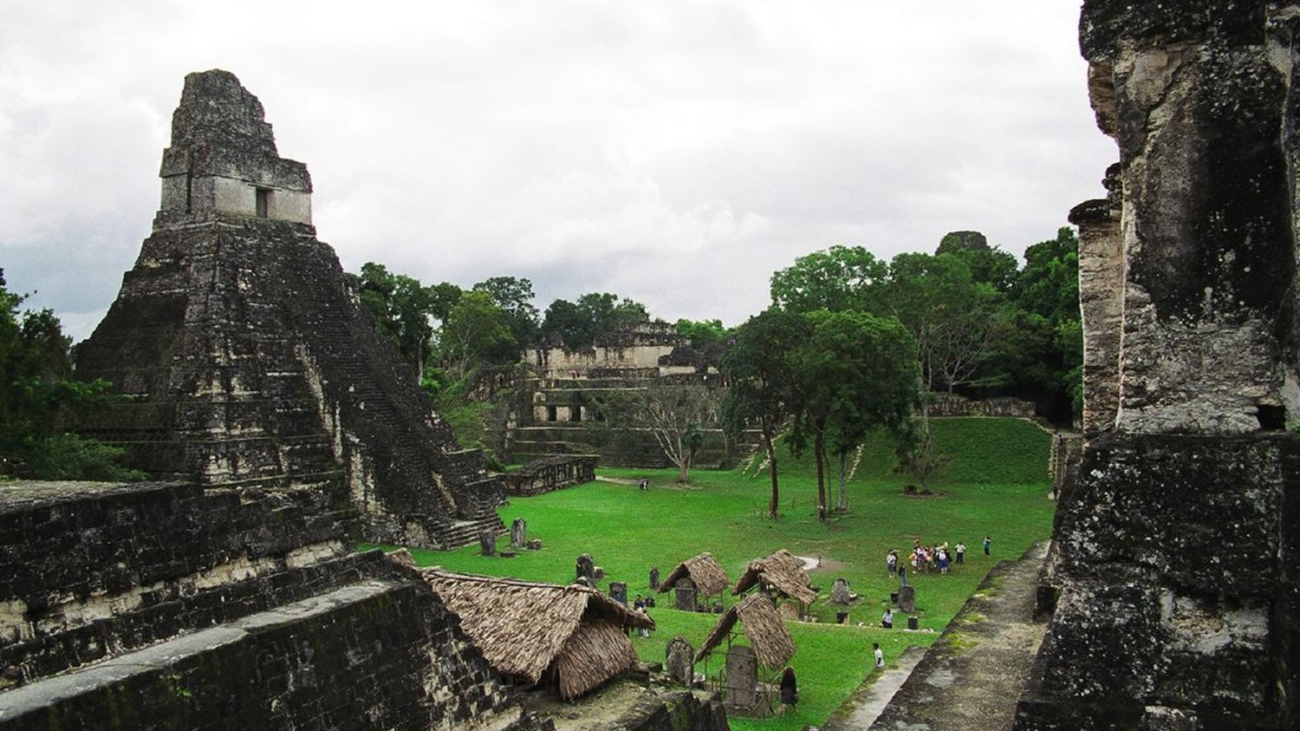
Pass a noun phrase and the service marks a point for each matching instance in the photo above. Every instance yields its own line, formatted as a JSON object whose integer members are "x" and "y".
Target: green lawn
{"x": 997, "y": 486}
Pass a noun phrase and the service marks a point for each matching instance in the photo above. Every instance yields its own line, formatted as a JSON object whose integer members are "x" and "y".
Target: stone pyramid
{"x": 247, "y": 357}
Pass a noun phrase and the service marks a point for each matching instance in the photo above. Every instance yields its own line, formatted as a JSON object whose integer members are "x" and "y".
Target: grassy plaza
{"x": 997, "y": 485}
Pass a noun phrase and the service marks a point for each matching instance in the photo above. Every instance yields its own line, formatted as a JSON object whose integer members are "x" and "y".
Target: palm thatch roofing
{"x": 780, "y": 571}
{"x": 771, "y": 641}
{"x": 535, "y": 631}
{"x": 703, "y": 570}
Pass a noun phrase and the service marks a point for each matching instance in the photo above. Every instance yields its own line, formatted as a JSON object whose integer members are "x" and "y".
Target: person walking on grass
{"x": 879, "y": 655}
{"x": 988, "y": 542}
{"x": 961, "y": 552}
{"x": 789, "y": 690}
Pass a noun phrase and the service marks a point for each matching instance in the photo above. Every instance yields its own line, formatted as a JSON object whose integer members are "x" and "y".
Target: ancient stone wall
{"x": 946, "y": 404}
{"x": 164, "y": 606}
{"x": 1174, "y": 551}
{"x": 549, "y": 474}
{"x": 153, "y": 606}
{"x": 640, "y": 347}
{"x": 81, "y": 556}
{"x": 374, "y": 655}
{"x": 556, "y": 408}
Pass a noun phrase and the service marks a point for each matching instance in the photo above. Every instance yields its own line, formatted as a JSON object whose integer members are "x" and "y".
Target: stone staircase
{"x": 176, "y": 607}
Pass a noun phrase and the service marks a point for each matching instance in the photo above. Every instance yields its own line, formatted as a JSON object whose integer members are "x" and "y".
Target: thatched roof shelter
{"x": 572, "y": 635}
{"x": 703, "y": 570}
{"x": 780, "y": 571}
{"x": 772, "y": 643}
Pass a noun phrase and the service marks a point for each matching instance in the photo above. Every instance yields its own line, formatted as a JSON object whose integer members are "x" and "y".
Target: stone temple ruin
{"x": 248, "y": 359}
{"x": 1175, "y": 553}
{"x": 556, "y": 405}
{"x": 232, "y": 597}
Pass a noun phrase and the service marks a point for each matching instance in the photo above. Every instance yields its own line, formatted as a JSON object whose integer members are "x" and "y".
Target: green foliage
{"x": 855, "y": 374}
{"x": 988, "y": 264}
{"x": 840, "y": 278}
{"x": 762, "y": 372}
{"x": 1049, "y": 284}
{"x": 724, "y": 513}
{"x": 951, "y": 316}
{"x": 466, "y": 416}
{"x": 918, "y": 456}
{"x": 37, "y": 394}
{"x": 67, "y": 456}
{"x": 703, "y": 334}
{"x": 515, "y": 298}
{"x": 982, "y": 326}
{"x": 404, "y": 308}
{"x": 1045, "y": 354}
{"x": 595, "y": 314}
{"x": 487, "y": 324}
{"x": 476, "y": 331}
{"x": 707, "y": 337}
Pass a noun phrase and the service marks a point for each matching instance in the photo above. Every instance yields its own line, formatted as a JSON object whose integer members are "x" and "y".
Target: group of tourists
{"x": 924, "y": 558}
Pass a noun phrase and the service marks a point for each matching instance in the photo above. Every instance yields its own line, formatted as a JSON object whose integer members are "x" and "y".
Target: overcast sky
{"x": 673, "y": 151}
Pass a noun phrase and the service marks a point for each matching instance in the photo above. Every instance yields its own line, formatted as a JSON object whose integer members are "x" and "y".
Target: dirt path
{"x": 971, "y": 678}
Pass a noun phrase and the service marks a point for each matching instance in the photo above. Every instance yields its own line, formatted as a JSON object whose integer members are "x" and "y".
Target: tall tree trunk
{"x": 772, "y": 506}
{"x": 844, "y": 478}
{"x": 819, "y": 450}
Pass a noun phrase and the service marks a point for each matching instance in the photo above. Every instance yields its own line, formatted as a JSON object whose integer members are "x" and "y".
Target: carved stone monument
{"x": 618, "y": 591}
{"x": 907, "y": 599}
{"x": 585, "y": 568}
{"x": 742, "y": 678}
{"x": 487, "y": 542}
{"x": 679, "y": 659}
{"x": 518, "y": 533}
{"x": 685, "y": 593}
{"x": 840, "y": 593}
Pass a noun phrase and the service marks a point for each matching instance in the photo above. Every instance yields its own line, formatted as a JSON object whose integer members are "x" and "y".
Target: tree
{"x": 476, "y": 330}
{"x": 595, "y": 314}
{"x": 567, "y": 322}
{"x": 703, "y": 334}
{"x": 988, "y": 264}
{"x": 916, "y": 452}
{"x": 856, "y": 373}
{"x": 676, "y": 415}
{"x": 38, "y": 395}
{"x": 709, "y": 338}
{"x": 1047, "y": 351}
{"x": 608, "y": 313}
{"x": 405, "y": 309}
{"x": 952, "y": 317}
{"x": 761, "y": 373}
{"x": 1049, "y": 283}
{"x": 840, "y": 278}
{"x": 515, "y": 298}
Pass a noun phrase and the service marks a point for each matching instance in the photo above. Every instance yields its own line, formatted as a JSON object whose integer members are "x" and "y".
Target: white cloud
{"x": 676, "y": 152}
